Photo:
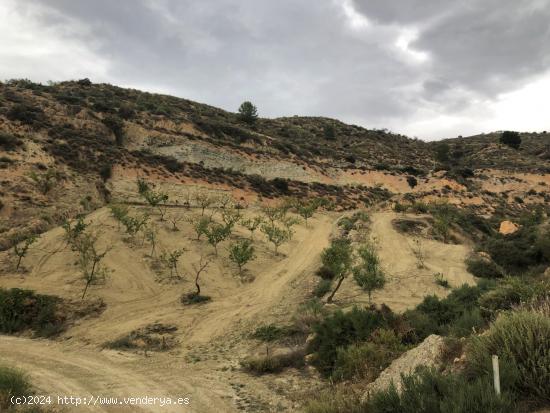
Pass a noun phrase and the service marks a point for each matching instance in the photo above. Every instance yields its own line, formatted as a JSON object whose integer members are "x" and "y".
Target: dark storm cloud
{"x": 375, "y": 62}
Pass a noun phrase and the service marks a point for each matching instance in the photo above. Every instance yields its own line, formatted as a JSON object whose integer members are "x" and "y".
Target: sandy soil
{"x": 212, "y": 337}
{"x": 406, "y": 284}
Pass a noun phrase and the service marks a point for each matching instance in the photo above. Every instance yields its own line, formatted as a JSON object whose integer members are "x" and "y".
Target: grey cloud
{"x": 303, "y": 57}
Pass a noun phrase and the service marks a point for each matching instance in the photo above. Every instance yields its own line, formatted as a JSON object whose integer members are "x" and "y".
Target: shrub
{"x": 322, "y": 288}
{"x": 336, "y": 400}
{"x": 367, "y": 360}
{"x": 26, "y": 114}
{"x": 438, "y": 316}
{"x": 9, "y": 142}
{"x": 115, "y": 125}
{"x": 194, "y": 298}
{"x": 274, "y": 363}
{"x": 521, "y": 338}
{"x": 341, "y": 330}
{"x": 268, "y": 333}
{"x": 428, "y": 391}
{"x": 483, "y": 268}
{"x": 510, "y": 138}
{"x": 12, "y": 383}
{"x": 25, "y": 310}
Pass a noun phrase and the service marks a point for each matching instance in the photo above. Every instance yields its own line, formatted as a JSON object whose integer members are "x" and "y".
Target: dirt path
{"x": 75, "y": 364}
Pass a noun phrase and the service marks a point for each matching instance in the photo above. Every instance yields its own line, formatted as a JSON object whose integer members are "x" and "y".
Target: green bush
{"x": 24, "y": 310}
{"x": 510, "y": 292}
{"x": 366, "y": 360}
{"x": 429, "y": 391}
{"x": 483, "y": 268}
{"x": 522, "y": 338}
{"x": 12, "y": 383}
{"x": 274, "y": 363}
{"x": 336, "y": 400}
{"x": 322, "y": 288}
{"x": 456, "y": 314}
{"x": 343, "y": 329}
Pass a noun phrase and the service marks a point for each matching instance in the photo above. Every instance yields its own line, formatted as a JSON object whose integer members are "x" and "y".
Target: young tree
{"x": 368, "y": 273}
{"x": 252, "y": 224}
{"x": 274, "y": 214}
{"x": 338, "y": 260}
{"x": 175, "y": 220}
{"x": 231, "y": 216}
{"x": 171, "y": 259}
{"x": 248, "y": 112}
{"x": 155, "y": 199}
{"x": 306, "y": 209}
{"x": 418, "y": 251}
{"x": 151, "y": 236}
{"x": 216, "y": 233}
{"x": 135, "y": 224}
{"x": 241, "y": 253}
{"x": 201, "y": 226}
{"x": 119, "y": 212}
{"x": 73, "y": 232}
{"x": 329, "y": 131}
{"x": 21, "y": 247}
{"x": 277, "y": 236}
{"x": 196, "y": 297}
{"x": 204, "y": 201}
{"x": 89, "y": 261}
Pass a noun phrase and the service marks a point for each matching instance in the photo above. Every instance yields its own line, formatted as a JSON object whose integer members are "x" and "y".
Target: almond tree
{"x": 277, "y": 236}
{"x": 204, "y": 201}
{"x": 171, "y": 259}
{"x": 241, "y": 253}
{"x": 368, "y": 273}
{"x": 200, "y": 225}
{"x": 89, "y": 261}
{"x": 252, "y": 224}
{"x": 306, "y": 209}
{"x": 74, "y": 231}
{"x": 216, "y": 233}
{"x": 175, "y": 220}
{"x": 21, "y": 247}
{"x": 338, "y": 260}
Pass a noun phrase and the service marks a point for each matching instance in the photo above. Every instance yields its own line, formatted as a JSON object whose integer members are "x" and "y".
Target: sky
{"x": 430, "y": 69}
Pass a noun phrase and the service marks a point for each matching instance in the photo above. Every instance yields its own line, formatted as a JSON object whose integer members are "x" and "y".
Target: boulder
{"x": 427, "y": 353}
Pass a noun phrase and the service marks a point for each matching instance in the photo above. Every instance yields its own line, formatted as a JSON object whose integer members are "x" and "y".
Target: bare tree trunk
{"x": 331, "y": 296}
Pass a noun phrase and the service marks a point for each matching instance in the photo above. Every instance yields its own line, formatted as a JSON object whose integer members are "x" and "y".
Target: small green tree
{"x": 241, "y": 253}
{"x": 201, "y": 226}
{"x": 204, "y": 201}
{"x": 89, "y": 261}
{"x": 442, "y": 152}
{"x": 338, "y": 260}
{"x": 170, "y": 259}
{"x": 510, "y": 138}
{"x": 175, "y": 219}
{"x": 216, "y": 233}
{"x": 151, "y": 237}
{"x": 155, "y": 199}
{"x": 248, "y": 112}
{"x": 252, "y": 224}
{"x": 74, "y": 231}
{"x": 306, "y": 209}
{"x": 329, "y": 132}
{"x": 277, "y": 236}
{"x": 21, "y": 247}
{"x": 368, "y": 273}
{"x": 230, "y": 217}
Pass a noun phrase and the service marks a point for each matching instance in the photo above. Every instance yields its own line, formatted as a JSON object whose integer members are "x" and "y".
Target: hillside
{"x": 154, "y": 246}
{"x": 88, "y": 139}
